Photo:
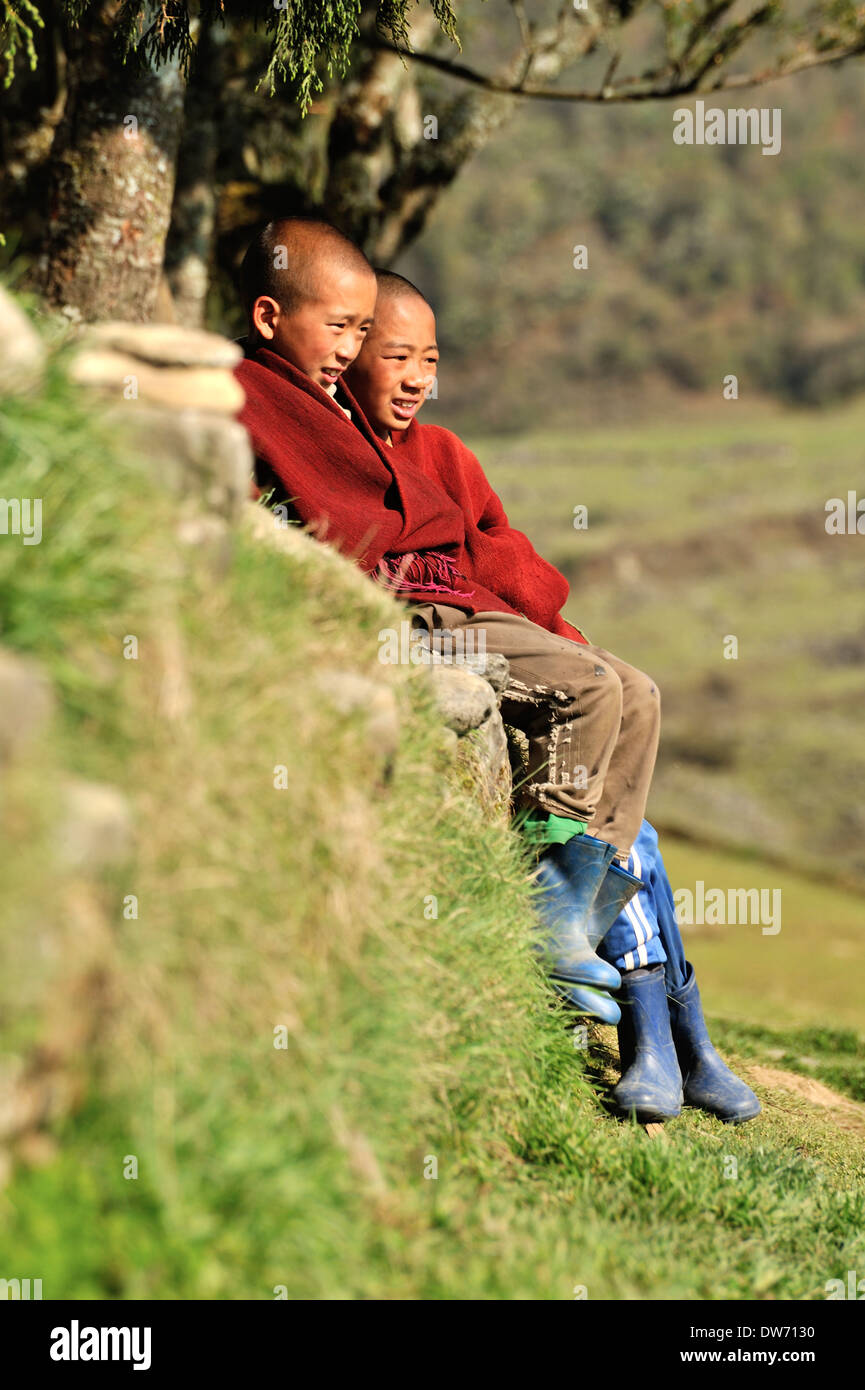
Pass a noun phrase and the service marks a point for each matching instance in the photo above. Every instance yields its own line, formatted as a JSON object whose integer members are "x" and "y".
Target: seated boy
{"x": 662, "y": 1034}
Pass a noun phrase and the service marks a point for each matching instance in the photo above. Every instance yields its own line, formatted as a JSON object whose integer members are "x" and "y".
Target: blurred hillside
{"x": 701, "y": 260}
{"x": 701, "y": 528}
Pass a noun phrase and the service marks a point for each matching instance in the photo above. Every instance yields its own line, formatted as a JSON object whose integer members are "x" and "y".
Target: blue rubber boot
{"x": 613, "y": 896}
{"x": 651, "y": 1084}
{"x": 571, "y": 875}
{"x": 617, "y": 889}
{"x": 708, "y": 1082}
{"x": 594, "y": 1003}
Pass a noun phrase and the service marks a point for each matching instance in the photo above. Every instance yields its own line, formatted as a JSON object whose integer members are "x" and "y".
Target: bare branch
{"x": 701, "y": 28}
{"x": 523, "y": 22}
{"x": 684, "y": 87}
{"x": 732, "y": 39}
{"x": 525, "y": 28}
{"x": 611, "y": 71}
{"x": 800, "y": 64}
{"x": 422, "y": 173}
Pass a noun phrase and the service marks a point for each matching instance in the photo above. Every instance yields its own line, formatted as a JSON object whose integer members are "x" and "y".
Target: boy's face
{"x": 397, "y": 364}
{"x": 323, "y": 335}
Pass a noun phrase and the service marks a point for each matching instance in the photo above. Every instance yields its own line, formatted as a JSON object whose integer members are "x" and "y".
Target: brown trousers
{"x": 591, "y": 720}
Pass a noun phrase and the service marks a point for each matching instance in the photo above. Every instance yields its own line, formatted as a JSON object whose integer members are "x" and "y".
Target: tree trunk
{"x": 387, "y": 171}
{"x": 113, "y": 167}
{"x": 376, "y": 121}
{"x": 189, "y": 248}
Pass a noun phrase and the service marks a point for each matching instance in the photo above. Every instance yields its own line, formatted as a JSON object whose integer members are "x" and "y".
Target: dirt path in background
{"x": 847, "y": 1114}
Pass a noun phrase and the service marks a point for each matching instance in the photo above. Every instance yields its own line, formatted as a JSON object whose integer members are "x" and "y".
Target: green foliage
{"x": 392, "y": 18}
{"x": 304, "y": 36}
{"x": 19, "y": 20}
{"x": 67, "y": 594}
{"x": 305, "y": 32}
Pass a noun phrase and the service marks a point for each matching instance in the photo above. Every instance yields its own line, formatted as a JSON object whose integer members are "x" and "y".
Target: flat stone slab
{"x": 166, "y": 345}
{"x": 127, "y": 380}
{"x": 464, "y": 700}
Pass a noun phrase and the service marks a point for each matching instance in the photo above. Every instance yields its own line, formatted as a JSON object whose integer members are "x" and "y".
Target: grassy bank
{"x": 323, "y": 1039}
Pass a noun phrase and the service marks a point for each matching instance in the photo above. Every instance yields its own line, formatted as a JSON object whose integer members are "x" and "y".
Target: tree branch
{"x": 406, "y": 196}
{"x": 525, "y": 29}
{"x": 732, "y": 38}
{"x": 700, "y": 29}
{"x": 685, "y": 87}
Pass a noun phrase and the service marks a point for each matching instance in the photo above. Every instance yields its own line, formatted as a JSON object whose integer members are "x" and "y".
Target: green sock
{"x": 544, "y": 828}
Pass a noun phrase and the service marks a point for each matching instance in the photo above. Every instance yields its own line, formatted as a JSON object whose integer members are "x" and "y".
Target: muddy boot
{"x": 708, "y": 1082}
{"x": 651, "y": 1084}
{"x": 571, "y": 875}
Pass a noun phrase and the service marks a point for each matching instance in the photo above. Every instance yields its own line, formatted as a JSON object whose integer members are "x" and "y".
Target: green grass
{"x": 407, "y": 1037}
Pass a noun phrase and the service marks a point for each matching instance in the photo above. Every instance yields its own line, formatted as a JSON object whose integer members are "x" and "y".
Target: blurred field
{"x": 709, "y": 525}
{"x": 810, "y": 973}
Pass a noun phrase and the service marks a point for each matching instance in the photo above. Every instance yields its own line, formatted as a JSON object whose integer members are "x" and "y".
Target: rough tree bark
{"x": 112, "y": 178}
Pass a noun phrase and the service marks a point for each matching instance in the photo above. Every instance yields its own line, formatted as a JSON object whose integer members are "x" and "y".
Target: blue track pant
{"x": 646, "y": 931}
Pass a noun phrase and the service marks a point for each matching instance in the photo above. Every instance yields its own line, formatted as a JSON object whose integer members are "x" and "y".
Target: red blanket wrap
{"x": 419, "y": 517}
{"x": 498, "y": 556}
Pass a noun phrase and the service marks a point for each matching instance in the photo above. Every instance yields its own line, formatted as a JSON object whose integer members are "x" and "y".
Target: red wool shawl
{"x": 499, "y": 557}
{"x": 356, "y": 493}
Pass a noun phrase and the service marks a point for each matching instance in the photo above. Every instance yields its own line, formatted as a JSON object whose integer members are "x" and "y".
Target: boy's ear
{"x": 265, "y": 316}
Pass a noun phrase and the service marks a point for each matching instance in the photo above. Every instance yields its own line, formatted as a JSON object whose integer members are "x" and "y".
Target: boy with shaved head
{"x": 310, "y": 297}
{"x": 665, "y": 1049}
